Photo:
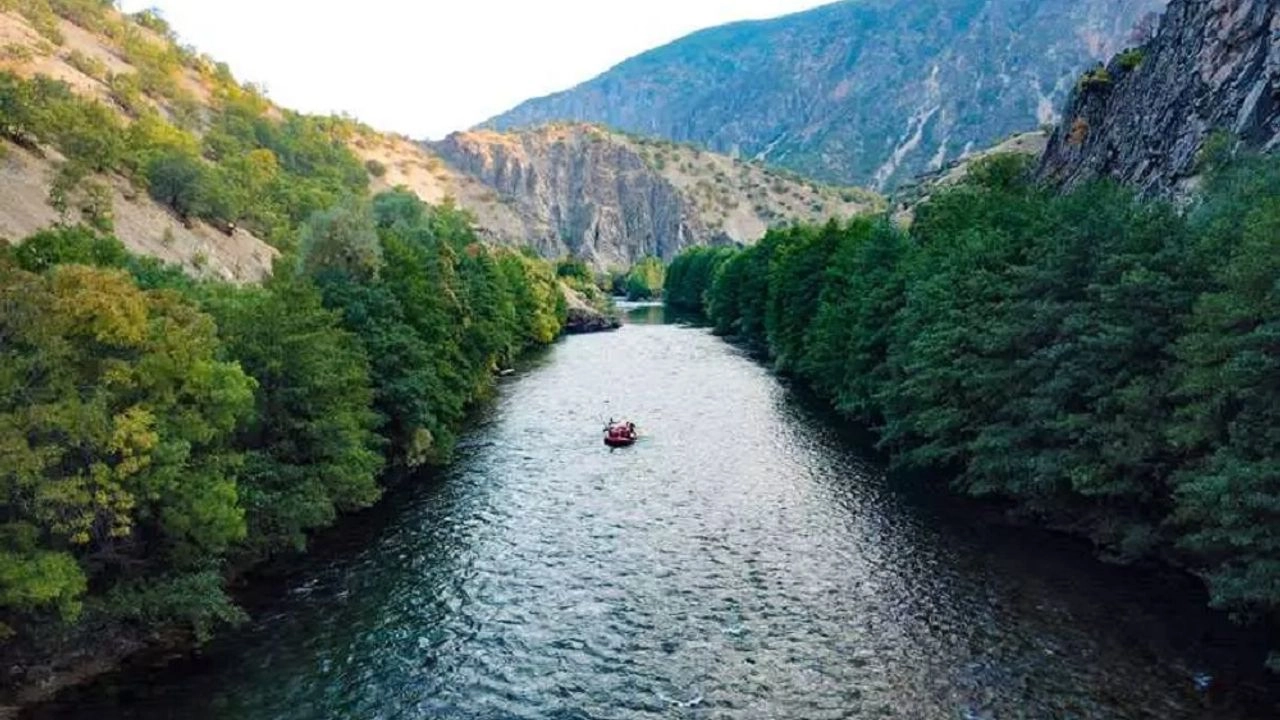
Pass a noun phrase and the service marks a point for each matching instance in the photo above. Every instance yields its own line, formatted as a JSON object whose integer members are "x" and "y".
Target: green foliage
{"x": 155, "y": 430}
{"x": 115, "y": 416}
{"x": 266, "y": 174}
{"x": 310, "y": 449}
{"x": 1100, "y": 360}
{"x": 69, "y": 245}
{"x": 1130, "y": 59}
{"x": 1098, "y": 78}
{"x": 645, "y": 279}
{"x": 690, "y": 275}
{"x": 1228, "y": 379}
{"x": 436, "y": 313}
{"x": 574, "y": 270}
{"x": 342, "y": 240}
{"x": 178, "y": 180}
{"x": 196, "y": 600}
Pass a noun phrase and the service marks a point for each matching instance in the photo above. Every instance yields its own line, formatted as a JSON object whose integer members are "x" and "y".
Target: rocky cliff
{"x": 871, "y": 92}
{"x": 612, "y": 199}
{"x": 1214, "y": 65}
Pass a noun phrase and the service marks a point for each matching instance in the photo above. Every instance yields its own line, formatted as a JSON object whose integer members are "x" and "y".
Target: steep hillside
{"x": 40, "y": 186}
{"x": 865, "y": 91}
{"x": 1214, "y": 66}
{"x": 612, "y": 199}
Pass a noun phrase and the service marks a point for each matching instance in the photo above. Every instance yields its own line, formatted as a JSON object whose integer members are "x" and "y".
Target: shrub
{"x": 1098, "y": 78}
{"x": 90, "y": 66}
{"x": 1130, "y": 59}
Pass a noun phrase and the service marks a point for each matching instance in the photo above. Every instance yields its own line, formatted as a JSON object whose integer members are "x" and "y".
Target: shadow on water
{"x": 744, "y": 560}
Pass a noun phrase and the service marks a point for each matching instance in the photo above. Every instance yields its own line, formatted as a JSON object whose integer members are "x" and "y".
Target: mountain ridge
{"x": 867, "y": 92}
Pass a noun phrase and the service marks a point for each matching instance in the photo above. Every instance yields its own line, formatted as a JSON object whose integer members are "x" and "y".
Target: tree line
{"x": 158, "y": 432}
{"x": 1108, "y": 363}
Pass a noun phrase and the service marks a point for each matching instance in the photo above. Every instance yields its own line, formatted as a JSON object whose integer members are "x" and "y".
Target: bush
{"x": 644, "y": 281}
{"x": 1130, "y": 59}
{"x": 177, "y": 179}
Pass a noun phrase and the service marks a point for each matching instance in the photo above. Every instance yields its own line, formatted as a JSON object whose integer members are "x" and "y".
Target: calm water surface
{"x": 740, "y": 561}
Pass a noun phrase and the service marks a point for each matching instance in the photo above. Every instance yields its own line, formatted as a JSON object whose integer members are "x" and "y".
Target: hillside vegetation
{"x": 110, "y": 121}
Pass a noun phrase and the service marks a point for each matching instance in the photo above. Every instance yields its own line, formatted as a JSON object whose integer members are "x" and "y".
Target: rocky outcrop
{"x": 1213, "y": 66}
{"x": 583, "y": 317}
{"x": 871, "y": 92}
{"x": 612, "y": 199}
{"x": 581, "y": 195}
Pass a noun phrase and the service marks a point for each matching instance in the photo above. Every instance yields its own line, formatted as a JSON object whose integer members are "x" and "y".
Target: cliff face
{"x": 871, "y": 92}
{"x": 1213, "y": 66}
{"x": 611, "y": 199}
{"x": 580, "y": 195}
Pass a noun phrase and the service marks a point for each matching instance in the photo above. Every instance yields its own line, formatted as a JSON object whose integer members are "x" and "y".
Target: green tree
{"x": 310, "y": 450}
{"x": 342, "y": 240}
{"x": 1228, "y": 489}
{"x": 115, "y": 415}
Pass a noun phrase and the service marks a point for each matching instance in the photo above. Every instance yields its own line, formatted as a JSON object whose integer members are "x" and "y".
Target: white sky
{"x": 429, "y": 67}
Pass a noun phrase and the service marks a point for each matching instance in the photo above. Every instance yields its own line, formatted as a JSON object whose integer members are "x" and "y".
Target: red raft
{"x": 620, "y": 434}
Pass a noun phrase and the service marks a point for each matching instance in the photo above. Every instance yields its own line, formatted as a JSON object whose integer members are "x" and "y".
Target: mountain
{"x": 567, "y": 189}
{"x": 864, "y": 91}
{"x": 612, "y": 199}
{"x": 1144, "y": 118}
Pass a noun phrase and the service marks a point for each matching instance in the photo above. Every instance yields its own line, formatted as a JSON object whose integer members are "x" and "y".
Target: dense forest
{"x": 157, "y": 431}
{"x": 1109, "y": 364}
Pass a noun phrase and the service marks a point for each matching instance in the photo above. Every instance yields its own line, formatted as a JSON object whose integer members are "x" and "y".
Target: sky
{"x": 428, "y": 67}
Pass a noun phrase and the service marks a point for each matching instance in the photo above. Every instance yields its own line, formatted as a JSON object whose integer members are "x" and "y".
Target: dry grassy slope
{"x": 408, "y": 164}
{"x": 744, "y": 198}
{"x": 144, "y": 226}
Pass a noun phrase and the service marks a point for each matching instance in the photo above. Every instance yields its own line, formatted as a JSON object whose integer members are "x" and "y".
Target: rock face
{"x": 611, "y": 199}
{"x": 1213, "y": 66}
{"x": 583, "y": 317}
{"x": 865, "y": 91}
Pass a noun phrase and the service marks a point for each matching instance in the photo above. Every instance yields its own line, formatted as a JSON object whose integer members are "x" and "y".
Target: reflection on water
{"x": 741, "y": 561}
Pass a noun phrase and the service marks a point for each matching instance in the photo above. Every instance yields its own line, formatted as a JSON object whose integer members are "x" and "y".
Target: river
{"x": 741, "y": 561}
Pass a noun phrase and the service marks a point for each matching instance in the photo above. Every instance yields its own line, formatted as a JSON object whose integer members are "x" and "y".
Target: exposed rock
{"x": 865, "y": 91}
{"x": 583, "y": 317}
{"x": 1213, "y": 66}
{"x": 612, "y": 199}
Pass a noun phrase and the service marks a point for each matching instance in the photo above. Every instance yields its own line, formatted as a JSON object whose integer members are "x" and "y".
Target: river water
{"x": 741, "y": 561}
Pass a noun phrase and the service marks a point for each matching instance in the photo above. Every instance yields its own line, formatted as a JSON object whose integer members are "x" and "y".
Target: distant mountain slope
{"x": 612, "y": 199}
{"x": 864, "y": 91}
{"x": 1213, "y": 67}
